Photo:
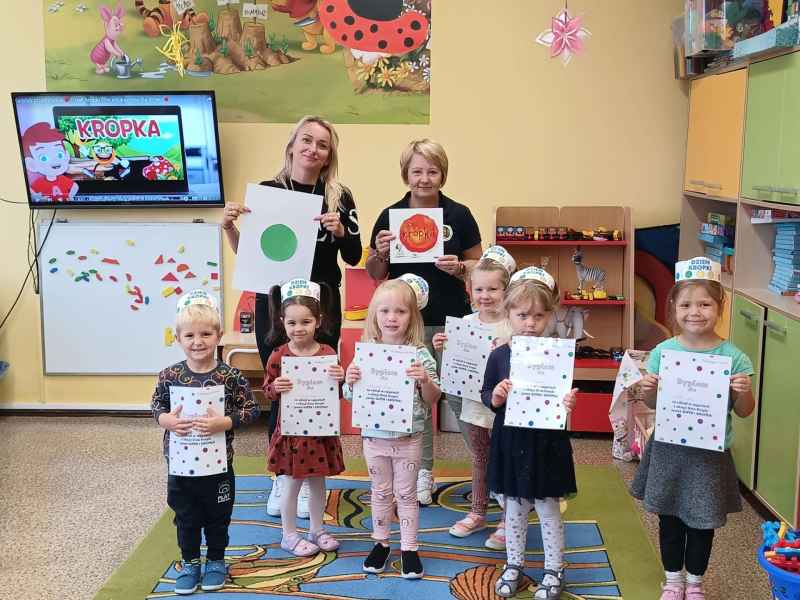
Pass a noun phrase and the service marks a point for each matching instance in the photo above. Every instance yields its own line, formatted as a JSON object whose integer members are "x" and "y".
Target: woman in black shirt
{"x": 423, "y": 167}
{"x": 311, "y": 162}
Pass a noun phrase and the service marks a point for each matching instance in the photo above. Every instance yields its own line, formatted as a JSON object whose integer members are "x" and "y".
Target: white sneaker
{"x": 274, "y": 500}
{"x": 425, "y": 486}
{"x": 302, "y": 500}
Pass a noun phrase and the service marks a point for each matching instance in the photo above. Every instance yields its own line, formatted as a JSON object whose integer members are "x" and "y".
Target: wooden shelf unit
{"x": 609, "y": 321}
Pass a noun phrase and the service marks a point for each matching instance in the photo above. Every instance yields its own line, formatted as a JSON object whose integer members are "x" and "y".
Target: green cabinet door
{"x": 779, "y": 417}
{"x": 747, "y": 325}
{"x": 762, "y": 140}
{"x": 788, "y": 172}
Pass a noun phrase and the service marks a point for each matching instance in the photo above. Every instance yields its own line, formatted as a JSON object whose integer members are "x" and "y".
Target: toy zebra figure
{"x": 591, "y": 275}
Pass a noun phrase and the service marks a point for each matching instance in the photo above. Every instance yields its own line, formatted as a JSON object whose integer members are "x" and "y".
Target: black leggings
{"x": 682, "y": 545}
{"x": 262, "y": 325}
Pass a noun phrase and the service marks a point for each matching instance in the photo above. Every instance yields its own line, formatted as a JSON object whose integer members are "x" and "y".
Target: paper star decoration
{"x": 565, "y": 36}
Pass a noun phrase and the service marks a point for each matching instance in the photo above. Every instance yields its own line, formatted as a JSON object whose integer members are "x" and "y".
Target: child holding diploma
{"x": 489, "y": 280}
{"x": 393, "y": 458}
{"x": 202, "y": 504}
{"x": 301, "y": 458}
{"x": 531, "y": 468}
{"x": 691, "y": 489}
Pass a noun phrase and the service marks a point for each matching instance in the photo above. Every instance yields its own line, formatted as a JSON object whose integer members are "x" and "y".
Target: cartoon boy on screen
{"x": 46, "y": 154}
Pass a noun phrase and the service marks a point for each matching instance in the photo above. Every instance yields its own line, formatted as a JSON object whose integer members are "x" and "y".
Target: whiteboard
{"x": 109, "y": 292}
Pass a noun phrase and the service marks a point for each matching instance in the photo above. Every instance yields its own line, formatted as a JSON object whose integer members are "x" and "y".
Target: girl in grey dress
{"x": 691, "y": 489}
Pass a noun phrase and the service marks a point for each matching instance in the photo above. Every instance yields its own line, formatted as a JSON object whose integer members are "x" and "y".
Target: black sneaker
{"x": 410, "y": 565}
{"x": 376, "y": 561}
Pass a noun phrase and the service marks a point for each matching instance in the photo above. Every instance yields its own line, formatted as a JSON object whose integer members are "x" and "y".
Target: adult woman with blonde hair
{"x": 311, "y": 162}
{"x": 423, "y": 168}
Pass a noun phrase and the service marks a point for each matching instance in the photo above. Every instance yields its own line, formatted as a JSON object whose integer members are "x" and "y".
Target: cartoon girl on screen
{"x": 46, "y": 155}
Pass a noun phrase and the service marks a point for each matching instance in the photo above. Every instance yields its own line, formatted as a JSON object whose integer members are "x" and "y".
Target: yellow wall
{"x": 518, "y": 127}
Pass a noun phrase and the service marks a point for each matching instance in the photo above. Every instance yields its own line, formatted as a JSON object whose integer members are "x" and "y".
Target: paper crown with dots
{"x": 198, "y": 298}
{"x": 502, "y": 256}
{"x": 419, "y": 287}
{"x": 698, "y": 267}
{"x": 535, "y": 274}
{"x": 299, "y": 287}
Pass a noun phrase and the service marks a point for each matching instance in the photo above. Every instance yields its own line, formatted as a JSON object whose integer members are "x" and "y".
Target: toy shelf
{"x": 566, "y": 302}
{"x": 511, "y": 242}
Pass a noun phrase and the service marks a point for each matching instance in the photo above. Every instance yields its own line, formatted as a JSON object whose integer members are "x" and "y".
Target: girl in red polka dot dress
{"x": 297, "y": 316}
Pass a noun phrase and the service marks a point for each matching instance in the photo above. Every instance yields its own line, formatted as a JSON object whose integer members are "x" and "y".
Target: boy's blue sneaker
{"x": 188, "y": 578}
{"x": 214, "y": 576}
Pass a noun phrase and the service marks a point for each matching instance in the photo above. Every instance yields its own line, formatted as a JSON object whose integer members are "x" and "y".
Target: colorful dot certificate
{"x": 692, "y": 401}
{"x": 311, "y": 408}
{"x": 383, "y": 399}
{"x": 541, "y": 375}
{"x": 196, "y": 455}
{"x": 464, "y": 358}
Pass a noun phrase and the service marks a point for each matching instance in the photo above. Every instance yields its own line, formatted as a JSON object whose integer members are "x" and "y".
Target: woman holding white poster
{"x": 311, "y": 161}
{"x": 423, "y": 168}
{"x": 692, "y": 490}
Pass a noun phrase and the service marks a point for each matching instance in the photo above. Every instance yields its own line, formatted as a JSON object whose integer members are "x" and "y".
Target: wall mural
{"x": 352, "y": 61}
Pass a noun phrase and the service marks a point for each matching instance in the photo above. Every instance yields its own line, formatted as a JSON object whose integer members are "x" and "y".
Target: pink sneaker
{"x": 694, "y": 591}
{"x": 468, "y": 525}
{"x": 497, "y": 541}
{"x": 672, "y": 591}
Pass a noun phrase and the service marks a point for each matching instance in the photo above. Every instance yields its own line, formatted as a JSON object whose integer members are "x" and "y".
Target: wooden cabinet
{"x": 747, "y": 323}
{"x": 714, "y": 145}
{"x": 772, "y": 131}
{"x": 610, "y": 322}
{"x": 779, "y": 419}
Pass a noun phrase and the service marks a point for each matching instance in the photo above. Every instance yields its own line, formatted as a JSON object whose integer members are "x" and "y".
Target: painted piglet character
{"x": 107, "y": 47}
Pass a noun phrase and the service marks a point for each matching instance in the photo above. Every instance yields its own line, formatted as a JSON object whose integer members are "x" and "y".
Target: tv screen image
{"x": 119, "y": 149}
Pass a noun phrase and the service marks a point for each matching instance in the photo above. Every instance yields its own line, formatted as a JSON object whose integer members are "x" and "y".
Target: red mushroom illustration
{"x": 159, "y": 168}
{"x": 368, "y": 26}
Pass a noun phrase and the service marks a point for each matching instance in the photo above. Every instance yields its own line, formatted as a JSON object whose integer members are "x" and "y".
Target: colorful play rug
{"x": 608, "y": 554}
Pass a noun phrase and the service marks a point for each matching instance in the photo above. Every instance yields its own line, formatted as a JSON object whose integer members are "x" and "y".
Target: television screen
{"x": 119, "y": 149}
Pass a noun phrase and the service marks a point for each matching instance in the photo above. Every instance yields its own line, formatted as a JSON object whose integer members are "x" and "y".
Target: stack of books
{"x": 717, "y": 235}
{"x": 786, "y": 259}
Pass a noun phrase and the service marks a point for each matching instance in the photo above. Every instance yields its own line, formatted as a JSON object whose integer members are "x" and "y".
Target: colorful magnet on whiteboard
{"x": 52, "y": 260}
{"x": 178, "y": 291}
{"x": 139, "y": 301}
{"x": 159, "y": 260}
{"x": 128, "y": 277}
{"x": 182, "y": 267}
{"x": 171, "y": 260}
{"x": 211, "y": 263}
{"x": 81, "y": 258}
{"x": 205, "y": 281}
{"x": 167, "y": 292}
{"x": 92, "y": 271}
{"x": 214, "y": 276}
{"x": 169, "y": 336}
{"x": 169, "y": 277}
{"x": 110, "y": 261}
{"x": 147, "y": 299}
{"x": 98, "y": 276}
{"x": 93, "y": 251}
{"x": 181, "y": 249}
{"x": 134, "y": 307}
{"x": 112, "y": 278}
{"x": 70, "y": 272}
{"x": 189, "y": 275}
{"x": 70, "y": 252}
{"x": 130, "y": 242}
{"x": 54, "y": 270}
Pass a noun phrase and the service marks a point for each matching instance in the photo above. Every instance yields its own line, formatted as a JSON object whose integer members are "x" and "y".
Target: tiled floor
{"x": 78, "y": 493}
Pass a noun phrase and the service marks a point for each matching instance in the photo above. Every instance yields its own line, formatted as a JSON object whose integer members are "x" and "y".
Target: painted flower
{"x": 402, "y": 71}
{"x": 426, "y": 74}
{"x": 424, "y": 60}
{"x": 364, "y": 71}
{"x": 565, "y": 36}
{"x": 385, "y": 77}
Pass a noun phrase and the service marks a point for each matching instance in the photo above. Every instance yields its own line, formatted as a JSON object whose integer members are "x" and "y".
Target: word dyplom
{"x": 117, "y": 128}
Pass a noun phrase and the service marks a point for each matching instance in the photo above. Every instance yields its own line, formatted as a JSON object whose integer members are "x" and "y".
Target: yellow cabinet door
{"x": 716, "y": 123}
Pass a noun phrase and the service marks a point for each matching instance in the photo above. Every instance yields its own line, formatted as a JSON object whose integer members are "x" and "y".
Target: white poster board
{"x": 384, "y": 396}
{"x": 419, "y": 235}
{"x": 692, "y": 402}
{"x": 277, "y": 238}
{"x": 311, "y": 408}
{"x": 541, "y": 375}
{"x": 196, "y": 455}
{"x": 109, "y": 292}
{"x": 466, "y": 352}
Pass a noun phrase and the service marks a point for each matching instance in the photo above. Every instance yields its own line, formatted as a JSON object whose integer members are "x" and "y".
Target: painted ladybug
{"x": 419, "y": 233}
{"x": 372, "y": 26}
